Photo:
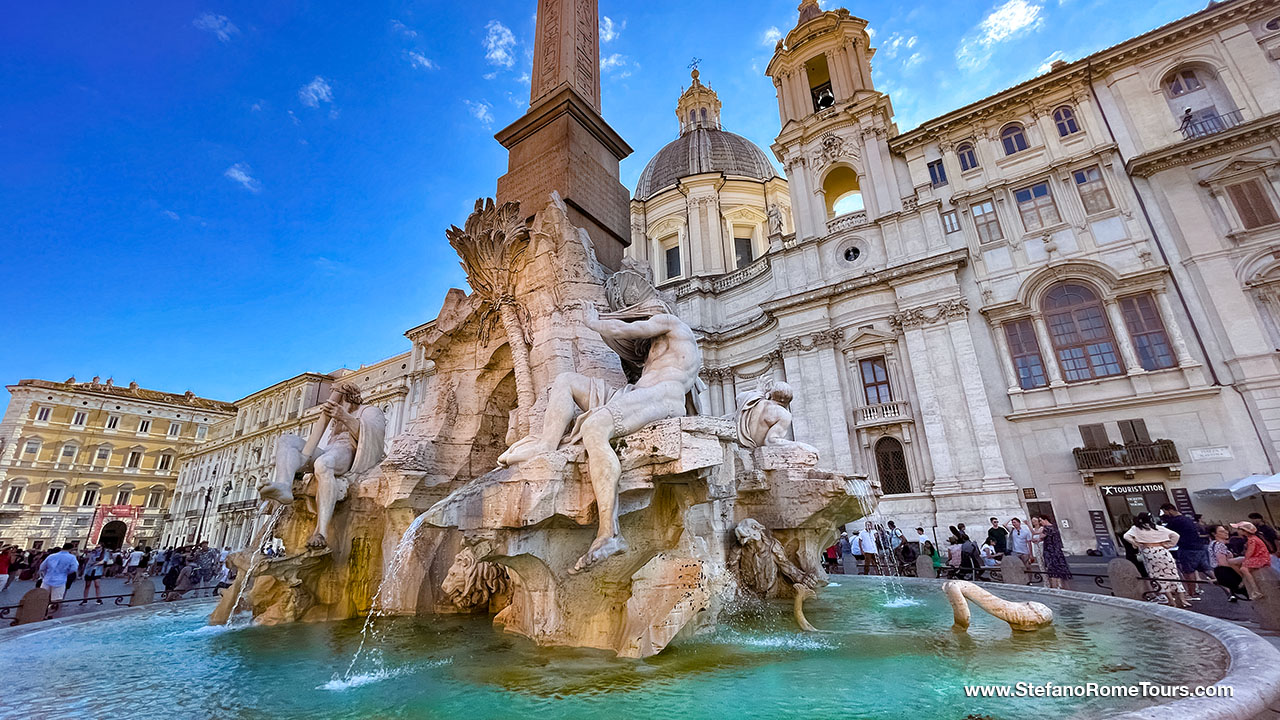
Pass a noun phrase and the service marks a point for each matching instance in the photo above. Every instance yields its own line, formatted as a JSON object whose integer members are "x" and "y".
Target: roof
{"x": 131, "y": 391}
{"x": 703, "y": 150}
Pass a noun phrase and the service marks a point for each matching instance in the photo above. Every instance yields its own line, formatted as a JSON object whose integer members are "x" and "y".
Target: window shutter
{"x": 1126, "y": 432}
{"x": 1094, "y": 436}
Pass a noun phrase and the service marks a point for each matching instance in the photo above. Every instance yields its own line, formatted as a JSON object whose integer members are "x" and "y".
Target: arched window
{"x": 842, "y": 191}
{"x": 1147, "y": 331}
{"x": 1184, "y": 81}
{"x": 1065, "y": 118}
{"x": 891, "y": 463}
{"x": 16, "y": 490}
{"x": 89, "y": 497}
{"x": 1082, "y": 338}
{"x": 53, "y": 496}
{"x": 124, "y": 494}
{"x": 968, "y": 158}
{"x": 1014, "y": 139}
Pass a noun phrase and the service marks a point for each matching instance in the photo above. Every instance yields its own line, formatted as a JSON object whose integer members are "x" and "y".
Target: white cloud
{"x": 481, "y": 111}
{"x": 294, "y": 118}
{"x": 612, "y": 62}
{"x": 316, "y": 92}
{"x": 1006, "y": 22}
{"x": 871, "y": 31}
{"x": 171, "y": 215}
{"x": 1047, "y": 65}
{"x": 771, "y": 36}
{"x": 609, "y": 30}
{"x": 498, "y": 44}
{"x": 257, "y": 107}
{"x": 524, "y": 79}
{"x": 912, "y": 61}
{"x": 219, "y": 25}
{"x": 418, "y": 60}
{"x": 240, "y": 173}
{"x": 403, "y": 29}
{"x": 896, "y": 42}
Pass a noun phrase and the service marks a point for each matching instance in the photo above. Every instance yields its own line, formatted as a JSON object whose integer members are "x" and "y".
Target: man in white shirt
{"x": 1020, "y": 541}
{"x": 870, "y": 550}
{"x": 56, "y": 569}
{"x": 134, "y": 565}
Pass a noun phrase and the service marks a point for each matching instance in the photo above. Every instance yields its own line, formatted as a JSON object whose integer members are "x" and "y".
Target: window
{"x": 842, "y": 192}
{"x": 42, "y": 414}
{"x": 122, "y": 497}
{"x": 743, "y": 252}
{"x": 154, "y": 498}
{"x": 82, "y": 522}
{"x": 54, "y": 495}
{"x": 891, "y": 463}
{"x": 80, "y": 418}
{"x": 984, "y": 218}
{"x": 1183, "y": 82}
{"x": 1065, "y": 118}
{"x": 1134, "y": 432}
{"x": 144, "y": 426}
{"x": 1025, "y": 351}
{"x": 1147, "y": 331}
{"x": 950, "y": 222}
{"x": 103, "y": 457}
{"x": 1036, "y": 206}
{"x": 165, "y": 462}
{"x": 46, "y": 521}
{"x": 1273, "y": 24}
{"x": 937, "y": 174}
{"x": 1014, "y": 139}
{"x": 15, "y": 494}
{"x": 135, "y": 459}
{"x": 1081, "y": 337}
{"x": 202, "y": 431}
{"x": 968, "y": 158}
{"x": 1094, "y": 436}
{"x": 113, "y": 422}
{"x": 1093, "y": 191}
{"x": 68, "y": 453}
{"x": 673, "y": 262}
{"x": 1252, "y": 204}
{"x": 32, "y": 448}
{"x": 89, "y": 497}
{"x": 852, "y": 253}
{"x": 875, "y": 381}
{"x": 175, "y": 429}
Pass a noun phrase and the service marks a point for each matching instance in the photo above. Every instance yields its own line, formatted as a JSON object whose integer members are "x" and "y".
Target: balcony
{"x": 191, "y": 513}
{"x": 1210, "y": 125}
{"x": 237, "y": 505}
{"x": 898, "y": 411}
{"x": 847, "y": 221}
{"x": 1128, "y": 458}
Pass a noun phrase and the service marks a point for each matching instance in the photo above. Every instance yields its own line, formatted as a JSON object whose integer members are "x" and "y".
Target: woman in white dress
{"x": 1153, "y": 542}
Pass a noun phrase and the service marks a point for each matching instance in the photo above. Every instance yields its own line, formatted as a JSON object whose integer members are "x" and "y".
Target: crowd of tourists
{"x": 1176, "y": 551}
{"x": 57, "y": 569}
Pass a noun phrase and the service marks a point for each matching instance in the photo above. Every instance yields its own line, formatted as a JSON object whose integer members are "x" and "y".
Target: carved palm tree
{"x": 493, "y": 246}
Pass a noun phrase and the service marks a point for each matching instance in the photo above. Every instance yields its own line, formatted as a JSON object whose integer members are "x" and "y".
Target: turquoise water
{"x": 886, "y": 655}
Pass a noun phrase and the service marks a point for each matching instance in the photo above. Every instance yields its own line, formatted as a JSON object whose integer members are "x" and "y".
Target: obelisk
{"x": 562, "y": 143}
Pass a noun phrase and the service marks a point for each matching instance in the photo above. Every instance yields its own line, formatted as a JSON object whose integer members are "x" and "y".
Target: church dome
{"x": 702, "y": 147}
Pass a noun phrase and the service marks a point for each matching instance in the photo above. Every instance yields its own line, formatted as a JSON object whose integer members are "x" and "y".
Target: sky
{"x": 217, "y": 196}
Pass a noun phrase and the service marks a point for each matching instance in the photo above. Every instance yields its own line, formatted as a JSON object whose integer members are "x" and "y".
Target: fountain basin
{"x": 889, "y": 646}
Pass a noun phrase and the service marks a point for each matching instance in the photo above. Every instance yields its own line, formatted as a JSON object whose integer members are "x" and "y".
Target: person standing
{"x": 6, "y": 560}
{"x": 1255, "y": 557}
{"x": 919, "y": 540}
{"x": 134, "y": 565}
{"x": 843, "y": 545}
{"x": 998, "y": 537}
{"x": 896, "y": 541}
{"x": 1266, "y": 533}
{"x": 1020, "y": 541}
{"x": 57, "y": 569}
{"x": 1055, "y": 561}
{"x": 1220, "y": 555}
{"x": 870, "y": 549}
{"x": 1153, "y": 543}
{"x": 95, "y": 565}
{"x": 1193, "y": 549}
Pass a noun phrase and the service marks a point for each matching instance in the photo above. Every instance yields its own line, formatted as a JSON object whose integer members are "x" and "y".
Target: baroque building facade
{"x": 216, "y": 498}
{"x": 1059, "y": 299}
{"x": 94, "y": 461}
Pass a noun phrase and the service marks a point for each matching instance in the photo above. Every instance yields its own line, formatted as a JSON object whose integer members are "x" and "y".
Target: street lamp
{"x": 208, "y": 497}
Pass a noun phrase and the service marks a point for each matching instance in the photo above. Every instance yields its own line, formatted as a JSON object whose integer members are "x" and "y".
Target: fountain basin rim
{"x": 9, "y": 632}
{"x": 1253, "y": 664}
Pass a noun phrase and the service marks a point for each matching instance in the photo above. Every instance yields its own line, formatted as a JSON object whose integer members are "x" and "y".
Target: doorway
{"x": 112, "y": 535}
{"x": 1124, "y": 502}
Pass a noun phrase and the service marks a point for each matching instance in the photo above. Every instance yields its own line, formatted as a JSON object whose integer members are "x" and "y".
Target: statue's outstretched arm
{"x": 638, "y": 330}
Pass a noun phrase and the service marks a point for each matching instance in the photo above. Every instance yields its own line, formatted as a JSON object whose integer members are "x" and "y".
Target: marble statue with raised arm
{"x": 764, "y": 417}
{"x": 660, "y": 355}
{"x": 355, "y": 433}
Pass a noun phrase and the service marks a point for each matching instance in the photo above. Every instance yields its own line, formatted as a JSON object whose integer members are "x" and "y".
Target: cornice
{"x": 888, "y": 276}
{"x": 1240, "y": 137}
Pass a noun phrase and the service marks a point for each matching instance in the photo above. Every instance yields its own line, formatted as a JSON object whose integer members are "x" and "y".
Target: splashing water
{"x": 893, "y": 589}
{"x": 398, "y": 562}
{"x": 256, "y": 558}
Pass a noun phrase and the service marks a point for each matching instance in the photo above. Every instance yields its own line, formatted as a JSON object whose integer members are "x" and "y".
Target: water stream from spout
{"x": 892, "y": 588}
{"x": 376, "y": 610}
{"x": 256, "y": 558}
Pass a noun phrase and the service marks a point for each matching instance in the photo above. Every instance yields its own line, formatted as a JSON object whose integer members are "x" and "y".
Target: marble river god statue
{"x": 764, "y": 417}
{"x": 355, "y": 434}
{"x": 649, "y": 339}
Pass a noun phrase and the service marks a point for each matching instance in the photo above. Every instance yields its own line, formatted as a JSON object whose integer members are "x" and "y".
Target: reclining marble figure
{"x": 649, "y": 339}
{"x": 355, "y": 434}
{"x": 764, "y": 417}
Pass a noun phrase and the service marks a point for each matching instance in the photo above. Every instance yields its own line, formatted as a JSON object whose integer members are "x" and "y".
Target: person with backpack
{"x": 95, "y": 565}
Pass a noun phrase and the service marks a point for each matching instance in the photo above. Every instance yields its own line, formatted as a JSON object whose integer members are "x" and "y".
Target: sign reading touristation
{"x": 1126, "y": 489}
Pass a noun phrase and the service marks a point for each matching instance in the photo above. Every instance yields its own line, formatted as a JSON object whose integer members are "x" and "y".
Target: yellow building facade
{"x": 94, "y": 462}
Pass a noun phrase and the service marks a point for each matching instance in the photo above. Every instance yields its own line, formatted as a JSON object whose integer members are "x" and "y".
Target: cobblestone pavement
{"x": 71, "y": 604}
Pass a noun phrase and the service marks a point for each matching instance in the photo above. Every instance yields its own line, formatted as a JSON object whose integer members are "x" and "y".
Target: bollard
{"x": 1013, "y": 570}
{"x": 34, "y": 606}
{"x": 1126, "y": 581}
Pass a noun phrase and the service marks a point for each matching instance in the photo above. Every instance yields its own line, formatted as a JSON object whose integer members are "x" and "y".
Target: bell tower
{"x": 835, "y": 125}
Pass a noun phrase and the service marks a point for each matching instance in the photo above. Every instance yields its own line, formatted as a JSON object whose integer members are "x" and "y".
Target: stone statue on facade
{"x": 758, "y": 560}
{"x": 764, "y": 417}
{"x": 775, "y": 220}
{"x": 661, "y": 358}
{"x": 355, "y": 433}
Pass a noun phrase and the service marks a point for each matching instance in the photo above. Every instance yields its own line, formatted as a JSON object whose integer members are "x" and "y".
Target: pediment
{"x": 869, "y": 337}
{"x": 1237, "y": 166}
{"x": 746, "y": 212}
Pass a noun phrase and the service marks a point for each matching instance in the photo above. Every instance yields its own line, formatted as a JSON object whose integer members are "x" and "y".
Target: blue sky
{"x": 217, "y": 196}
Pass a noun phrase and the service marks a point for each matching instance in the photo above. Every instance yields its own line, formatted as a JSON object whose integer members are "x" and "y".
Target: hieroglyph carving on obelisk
{"x": 566, "y": 50}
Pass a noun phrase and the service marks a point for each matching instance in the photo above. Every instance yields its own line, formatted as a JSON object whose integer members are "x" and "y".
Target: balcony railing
{"x": 1211, "y": 125}
{"x": 1158, "y": 453}
{"x": 237, "y": 505}
{"x": 890, "y": 412}
{"x": 854, "y": 219}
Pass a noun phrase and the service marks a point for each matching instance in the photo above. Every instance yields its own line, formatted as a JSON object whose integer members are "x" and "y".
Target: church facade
{"x": 1063, "y": 298}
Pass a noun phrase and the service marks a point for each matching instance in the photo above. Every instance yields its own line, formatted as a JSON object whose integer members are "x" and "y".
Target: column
{"x": 944, "y": 476}
{"x": 783, "y": 117}
{"x": 1121, "y": 332}
{"x": 839, "y": 81}
{"x": 1051, "y": 367}
{"x": 801, "y": 98}
{"x": 837, "y": 421}
{"x": 975, "y": 396}
{"x": 1006, "y": 360}
{"x": 1174, "y": 330}
{"x": 728, "y": 392}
